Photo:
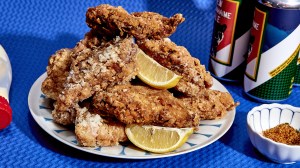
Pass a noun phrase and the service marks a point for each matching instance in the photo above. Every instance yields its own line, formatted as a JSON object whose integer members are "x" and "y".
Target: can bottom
{"x": 235, "y": 75}
{"x": 264, "y": 100}
{"x": 225, "y": 79}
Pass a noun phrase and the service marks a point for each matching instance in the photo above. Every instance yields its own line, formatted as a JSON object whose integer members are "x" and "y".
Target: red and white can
{"x": 230, "y": 39}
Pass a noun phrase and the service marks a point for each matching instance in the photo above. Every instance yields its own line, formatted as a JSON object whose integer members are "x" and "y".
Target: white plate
{"x": 209, "y": 130}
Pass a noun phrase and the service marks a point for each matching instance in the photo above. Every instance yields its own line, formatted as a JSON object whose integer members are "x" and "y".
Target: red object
{"x": 5, "y": 113}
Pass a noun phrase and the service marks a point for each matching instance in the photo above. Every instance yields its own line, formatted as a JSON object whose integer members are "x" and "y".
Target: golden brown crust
{"x": 210, "y": 105}
{"x": 112, "y": 21}
{"x": 57, "y": 72}
{"x": 177, "y": 58}
{"x": 94, "y": 70}
{"x": 93, "y": 80}
{"x": 92, "y": 130}
{"x": 59, "y": 64}
{"x": 91, "y": 40}
{"x": 145, "y": 106}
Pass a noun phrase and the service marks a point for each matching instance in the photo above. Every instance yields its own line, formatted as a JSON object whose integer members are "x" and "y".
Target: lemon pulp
{"x": 157, "y": 139}
{"x": 155, "y": 75}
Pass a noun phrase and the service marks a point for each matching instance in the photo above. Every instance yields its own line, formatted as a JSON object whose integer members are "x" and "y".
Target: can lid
{"x": 290, "y": 4}
{"x": 5, "y": 113}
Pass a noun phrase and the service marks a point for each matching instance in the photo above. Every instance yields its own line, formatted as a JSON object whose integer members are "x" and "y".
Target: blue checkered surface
{"x": 32, "y": 30}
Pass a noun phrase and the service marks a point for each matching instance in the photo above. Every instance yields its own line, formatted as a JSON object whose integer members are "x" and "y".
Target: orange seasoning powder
{"x": 283, "y": 133}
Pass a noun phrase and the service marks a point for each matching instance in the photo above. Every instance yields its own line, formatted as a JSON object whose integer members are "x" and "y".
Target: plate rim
{"x": 225, "y": 127}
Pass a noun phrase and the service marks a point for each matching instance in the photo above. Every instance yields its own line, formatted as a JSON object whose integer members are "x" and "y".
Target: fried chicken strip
{"x": 57, "y": 72}
{"x": 213, "y": 104}
{"x": 59, "y": 64}
{"x": 112, "y": 21}
{"x": 143, "y": 105}
{"x": 178, "y": 59}
{"x": 91, "y": 40}
{"x": 94, "y": 70}
{"x": 92, "y": 130}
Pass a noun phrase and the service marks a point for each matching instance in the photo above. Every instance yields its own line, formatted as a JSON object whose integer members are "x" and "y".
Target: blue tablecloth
{"x": 32, "y": 30}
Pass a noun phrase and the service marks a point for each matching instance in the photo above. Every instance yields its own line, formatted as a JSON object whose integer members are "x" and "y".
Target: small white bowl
{"x": 268, "y": 116}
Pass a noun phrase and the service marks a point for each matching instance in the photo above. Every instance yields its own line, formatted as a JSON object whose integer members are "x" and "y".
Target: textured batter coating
{"x": 94, "y": 70}
{"x": 57, "y": 71}
{"x": 93, "y": 87}
{"x": 195, "y": 78}
{"x": 145, "y": 106}
{"x": 92, "y": 130}
{"x": 91, "y": 40}
{"x": 212, "y": 104}
{"x": 59, "y": 64}
{"x": 112, "y": 21}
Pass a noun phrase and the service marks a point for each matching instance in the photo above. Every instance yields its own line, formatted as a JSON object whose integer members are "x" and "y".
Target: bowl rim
{"x": 272, "y": 105}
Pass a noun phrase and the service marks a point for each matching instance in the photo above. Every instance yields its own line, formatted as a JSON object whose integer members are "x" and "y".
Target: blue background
{"x": 30, "y": 31}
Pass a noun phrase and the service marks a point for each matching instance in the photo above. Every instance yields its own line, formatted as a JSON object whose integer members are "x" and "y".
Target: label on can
{"x": 297, "y": 76}
{"x": 225, "y": 20}
{"x": 230, "y": 38}
{"x": 273, "y": 53}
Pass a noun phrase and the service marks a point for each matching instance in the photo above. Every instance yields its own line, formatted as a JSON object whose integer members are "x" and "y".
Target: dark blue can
{"x": 273, "y": 50}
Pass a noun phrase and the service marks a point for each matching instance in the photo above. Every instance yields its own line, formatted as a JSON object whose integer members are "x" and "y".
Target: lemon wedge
{"x": 157, "y": 139}
{"x": 155, "y": 75}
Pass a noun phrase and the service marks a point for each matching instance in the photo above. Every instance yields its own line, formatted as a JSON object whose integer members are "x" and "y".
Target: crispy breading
{"x": 93, "y": 87}
{"x": 112, "y": 21}
{"x": 94, "y": 70}
{"x": 195, "y": 78}
{"x": 91, "y": 40}
{"x": 143, "y": 105}
{"x": 212, "y": 104}
{"x": 92, "y": 130}
{"x": 59, "y": 64}
{"x": 57, "y": 72}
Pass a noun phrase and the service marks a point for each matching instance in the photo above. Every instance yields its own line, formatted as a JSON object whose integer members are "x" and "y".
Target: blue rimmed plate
{"x": 208, "y": 131}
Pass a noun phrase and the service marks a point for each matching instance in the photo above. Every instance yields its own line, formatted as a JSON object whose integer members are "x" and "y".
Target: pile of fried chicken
{"x": 95, "y": 84}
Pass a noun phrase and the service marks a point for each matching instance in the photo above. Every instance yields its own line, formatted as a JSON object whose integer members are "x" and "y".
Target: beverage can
{"x": 273, "y": 50}
{"x": 230, "y": 38}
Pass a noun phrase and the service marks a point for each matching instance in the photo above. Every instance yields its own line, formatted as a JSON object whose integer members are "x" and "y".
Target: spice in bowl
{"x": 283, "y": 133}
